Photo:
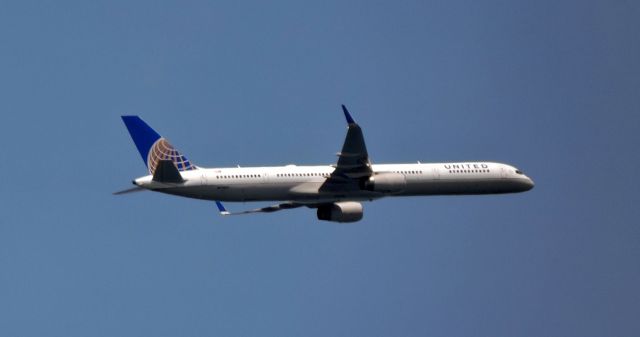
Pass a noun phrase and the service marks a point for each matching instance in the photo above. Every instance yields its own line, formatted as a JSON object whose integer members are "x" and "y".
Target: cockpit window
{"x": 519, "y": 172}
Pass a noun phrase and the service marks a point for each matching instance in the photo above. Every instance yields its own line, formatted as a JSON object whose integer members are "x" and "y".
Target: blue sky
{"x": 552, "y": 87}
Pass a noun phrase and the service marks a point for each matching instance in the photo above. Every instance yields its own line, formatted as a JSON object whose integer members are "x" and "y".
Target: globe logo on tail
{"x": 163, "y": 150}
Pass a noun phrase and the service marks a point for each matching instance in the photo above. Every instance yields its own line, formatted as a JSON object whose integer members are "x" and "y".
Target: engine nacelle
{"x": 385, "y": 182}
{"x": 348, "y": 211}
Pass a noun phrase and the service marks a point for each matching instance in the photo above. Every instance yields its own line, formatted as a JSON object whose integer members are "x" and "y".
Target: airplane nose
{"x": 529, "y": 184}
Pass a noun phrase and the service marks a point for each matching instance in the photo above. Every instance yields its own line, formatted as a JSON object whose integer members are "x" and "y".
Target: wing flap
{"x": 268, "y": 209}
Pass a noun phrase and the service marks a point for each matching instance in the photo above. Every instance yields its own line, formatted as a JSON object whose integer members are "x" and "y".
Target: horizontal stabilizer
{"x": 167, "y": 172}
{"x": 130, "y": 190}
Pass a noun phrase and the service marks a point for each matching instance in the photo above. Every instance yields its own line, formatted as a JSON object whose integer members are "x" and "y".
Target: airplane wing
{"x": 268, "y": 209}
{"x": 353, "y": 164}
{"x": 353, "y": 160}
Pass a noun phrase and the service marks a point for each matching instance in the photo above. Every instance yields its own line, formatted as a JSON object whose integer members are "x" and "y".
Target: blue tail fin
{"x": 153, "y": 147}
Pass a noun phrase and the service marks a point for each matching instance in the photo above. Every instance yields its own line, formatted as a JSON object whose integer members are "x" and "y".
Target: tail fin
{"x": 152, "y": 147}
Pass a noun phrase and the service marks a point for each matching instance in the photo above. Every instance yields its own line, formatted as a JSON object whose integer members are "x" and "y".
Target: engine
{"x": 348, "y": 211}
{"x": 385, "y": 182}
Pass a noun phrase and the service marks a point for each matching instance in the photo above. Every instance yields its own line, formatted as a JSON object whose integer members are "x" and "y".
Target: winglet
{"x": 221, "y": 208}
{"x": 347, "y": 115}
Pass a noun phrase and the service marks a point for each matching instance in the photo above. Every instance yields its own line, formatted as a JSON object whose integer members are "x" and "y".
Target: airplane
{"x": 335, "y": 191}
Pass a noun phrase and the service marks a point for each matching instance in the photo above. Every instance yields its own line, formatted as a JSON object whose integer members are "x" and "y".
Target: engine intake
{"x": 385, "y": 182}
{"x": 348, "y": 211}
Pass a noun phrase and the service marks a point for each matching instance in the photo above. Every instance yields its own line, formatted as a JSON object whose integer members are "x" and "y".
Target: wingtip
{"x": 347, "y": 115}
{"x": 221, "y": 208}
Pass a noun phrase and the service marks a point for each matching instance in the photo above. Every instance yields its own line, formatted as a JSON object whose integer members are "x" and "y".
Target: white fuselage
{"x": 306, "y": 184}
